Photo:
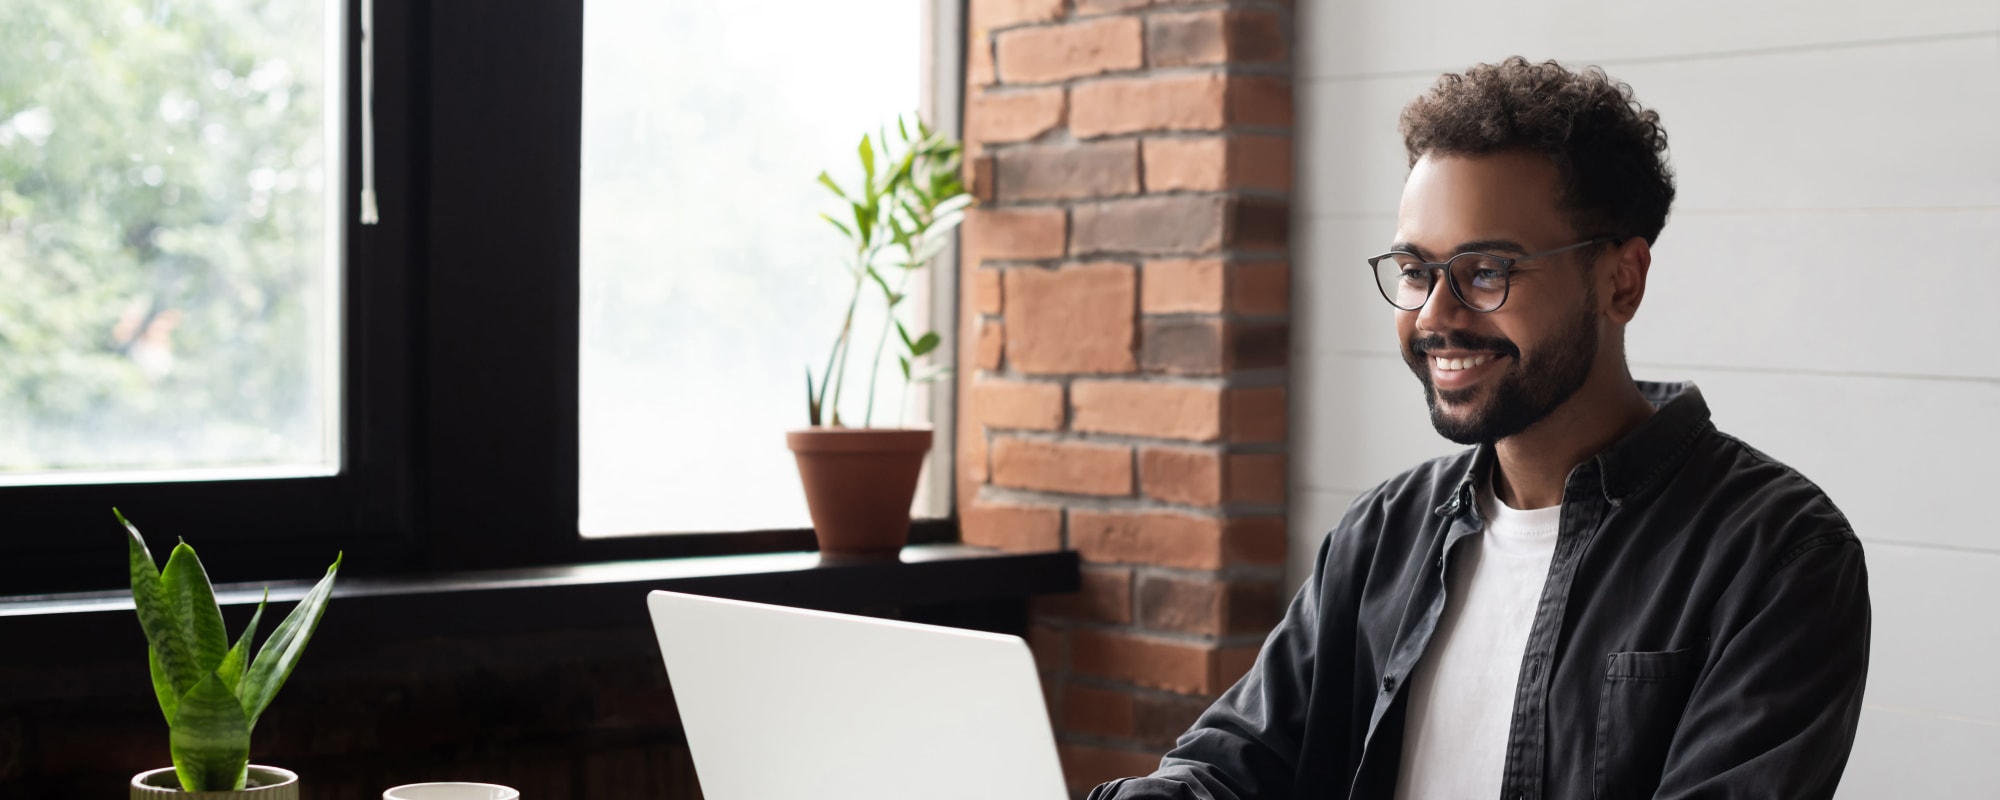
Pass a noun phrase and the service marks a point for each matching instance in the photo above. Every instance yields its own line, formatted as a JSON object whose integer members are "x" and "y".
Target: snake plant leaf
{"x": 191, "y": 607}
{"x": 163, "y": 688}
{"x": 210, "y": 739}
{"x": 176, "y": 672}
{"x": 280, "y": 653}
{"x": 239, "y": 655}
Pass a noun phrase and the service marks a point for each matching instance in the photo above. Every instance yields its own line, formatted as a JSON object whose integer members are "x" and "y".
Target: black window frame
{"x": 461, "y": 333}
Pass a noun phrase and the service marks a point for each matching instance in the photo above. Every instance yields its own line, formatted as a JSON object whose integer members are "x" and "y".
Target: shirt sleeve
{"x": 1780, "y": 702}
{"x": 1246, "y": 745}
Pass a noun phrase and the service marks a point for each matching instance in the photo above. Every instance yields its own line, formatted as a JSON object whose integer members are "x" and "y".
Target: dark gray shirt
{"x": 1703, "y": 633}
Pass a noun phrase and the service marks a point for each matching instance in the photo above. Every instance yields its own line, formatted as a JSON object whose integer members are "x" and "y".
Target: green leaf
{"x": 827, "y": 181}
{"x": 887, "y": 293}
{"x": 239, "y": 655}
{"x": 925, "y": 344}
{"x": 867, "y": 151}
{"x": 837, "y": 224}
{"x": 210, "y": 739}
{"x": 812, "y": 400}
{"x": 177, "y": 671}
{"x": 905, "y": 362}
{"x": 955, "y": 202}
{"x": 191, "y": 604}
{"x": 905, "y": 333}
{"x": 281, "y": 652}
{"x": 905, "y": 129}
{"x": 163, "y": 688}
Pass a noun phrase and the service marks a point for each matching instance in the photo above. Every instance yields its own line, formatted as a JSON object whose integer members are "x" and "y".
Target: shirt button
{"x": 1389, "y": 684}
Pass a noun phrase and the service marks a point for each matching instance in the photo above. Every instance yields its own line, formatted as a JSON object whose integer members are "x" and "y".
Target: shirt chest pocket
{"x": 1644, "y": 695}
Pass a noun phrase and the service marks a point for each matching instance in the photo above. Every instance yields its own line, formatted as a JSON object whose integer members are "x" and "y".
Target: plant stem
{"x": 875, "y": 372}
{"x": 827, "y": 415}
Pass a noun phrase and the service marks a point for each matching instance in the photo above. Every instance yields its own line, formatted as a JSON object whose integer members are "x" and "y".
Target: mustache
{"x": 1461, "y": 340}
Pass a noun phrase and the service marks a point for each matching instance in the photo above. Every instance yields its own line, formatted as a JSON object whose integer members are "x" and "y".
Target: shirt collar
{"x": 1629, "y": 465}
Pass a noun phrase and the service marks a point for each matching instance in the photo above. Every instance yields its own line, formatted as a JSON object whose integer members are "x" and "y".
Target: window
{"x": 166, "y": 219}
{"x": 709, "y": 282}
{"x": 449, "y": 361}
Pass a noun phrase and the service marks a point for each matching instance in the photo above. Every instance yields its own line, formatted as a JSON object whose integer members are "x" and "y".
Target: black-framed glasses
{"x": 1479, "y": 280}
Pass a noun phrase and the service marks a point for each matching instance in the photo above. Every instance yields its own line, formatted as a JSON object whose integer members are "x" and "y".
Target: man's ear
{"x": 1626, "y": 276}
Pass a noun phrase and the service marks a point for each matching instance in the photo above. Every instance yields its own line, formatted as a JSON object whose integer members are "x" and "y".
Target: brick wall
{"x": 1125, "y": 339}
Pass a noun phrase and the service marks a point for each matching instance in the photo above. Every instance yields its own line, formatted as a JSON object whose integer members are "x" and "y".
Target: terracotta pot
{"x": 859, "y": 483}
{"x": 263, "y": 783}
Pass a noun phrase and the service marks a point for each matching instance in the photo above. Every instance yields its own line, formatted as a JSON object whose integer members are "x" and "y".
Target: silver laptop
{"x": 781, "y": 703}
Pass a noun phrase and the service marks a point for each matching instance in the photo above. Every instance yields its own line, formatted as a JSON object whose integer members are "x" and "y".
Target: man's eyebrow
{"x": 1476, "y": 245}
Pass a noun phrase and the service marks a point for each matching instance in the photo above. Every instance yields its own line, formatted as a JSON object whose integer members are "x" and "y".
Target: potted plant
{"x": 212, "y": 692}
{"x": 859, "y": 480}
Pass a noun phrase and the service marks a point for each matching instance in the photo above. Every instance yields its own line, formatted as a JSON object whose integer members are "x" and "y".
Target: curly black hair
{"x": 1611, "y": 152}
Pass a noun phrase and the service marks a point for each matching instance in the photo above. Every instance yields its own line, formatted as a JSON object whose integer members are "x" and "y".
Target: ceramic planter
{"x": 263, "y": 783}
{"x": 859, "y": 483}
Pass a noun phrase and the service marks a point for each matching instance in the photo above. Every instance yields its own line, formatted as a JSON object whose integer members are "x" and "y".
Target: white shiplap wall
{"x": 1830, "y": 277}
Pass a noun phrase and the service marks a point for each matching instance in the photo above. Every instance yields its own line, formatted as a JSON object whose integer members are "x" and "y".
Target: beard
{"x": 1533, "y": 386}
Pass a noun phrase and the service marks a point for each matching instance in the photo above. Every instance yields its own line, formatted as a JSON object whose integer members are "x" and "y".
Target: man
{"x": 1605, "y": 597}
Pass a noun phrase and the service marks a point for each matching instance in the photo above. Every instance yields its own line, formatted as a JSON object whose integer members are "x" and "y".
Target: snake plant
{"x": 210, "y": 691}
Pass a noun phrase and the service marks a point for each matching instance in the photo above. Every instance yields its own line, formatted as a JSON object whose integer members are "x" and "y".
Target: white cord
{"x": 369, "y": 214}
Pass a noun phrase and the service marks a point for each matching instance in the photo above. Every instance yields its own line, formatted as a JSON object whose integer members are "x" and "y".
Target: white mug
{"x": 451, "y": 791}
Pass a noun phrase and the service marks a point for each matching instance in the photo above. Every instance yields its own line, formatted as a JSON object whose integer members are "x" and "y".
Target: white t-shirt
{"x": 1462, "y": 695}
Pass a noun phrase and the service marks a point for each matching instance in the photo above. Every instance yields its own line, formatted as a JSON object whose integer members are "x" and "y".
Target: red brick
{"x": 979, "y": 71}
{"x": 1198, "y": 164}
{"x": 1182, "y": 605}
{"x": 1216, "y": 163}
{"x": 1257, "y": 223}
{"x": 1179, "y": 475}
{"x": 1033, "y": 405}
{"x": 1158, "y": 720}
{"x": 1154, "y": 663}
{"x": 1050, "y": 646}
{"x": 1016, "y": 115}
{"x": 986, "y": 295}
{"x": 1108, "y": 6}
{"x": 1256, "y": 345}
{"x": 1232, "y": 664}
{"x": 1065, "y": 467}
{"x": 1103, "y": 595}
{"x": 1256, "y": 541}
{"x": 1216, "y": 36}
{"x": 1155, "y": 537}
{"x": 971, "y": 457}
{"x": 1085, "y": 766}
{"x": 1171, "y": 539}
{"x": 1260, "y": 162}
{"x": 1012, "y": 528}
{"x": 1259, "y": 100}
{"x": 979, "y": 178}
{"x": 1254, "y": 478}
{"x": 1183, "y": 286}
{"x": 1015, "y": 233}
{"x": 1141, "y": 408}
{"x": 1206, "y": 606}
{"x": 1259, "y": 288}
{"x": 1098, "y": 712}
{"x": 1153, "y": 225}
{"x": 1064, "y": 172}
{"x": 1048, "y": 53}
{"x": 992, "y": 344}
{"x": 990, "y": 14}
{"x": 1191, "y": 102}
{"x": 1072, "y": 320}
{"x": 1255, "y": 414}
{"x": 1182, "y": 346}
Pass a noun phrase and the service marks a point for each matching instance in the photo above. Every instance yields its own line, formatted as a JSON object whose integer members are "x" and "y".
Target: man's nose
{"x": 1442, "y": 311}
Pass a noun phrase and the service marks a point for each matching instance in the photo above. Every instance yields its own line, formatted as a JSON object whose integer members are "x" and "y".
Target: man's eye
{"x": 1489, "y": 278}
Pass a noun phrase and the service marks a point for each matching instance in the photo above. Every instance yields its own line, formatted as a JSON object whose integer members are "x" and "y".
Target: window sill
{"x": 603, "y": 596}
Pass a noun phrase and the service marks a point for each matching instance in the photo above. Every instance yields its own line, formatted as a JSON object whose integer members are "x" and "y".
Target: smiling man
{"x": 1604, "y": 596}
